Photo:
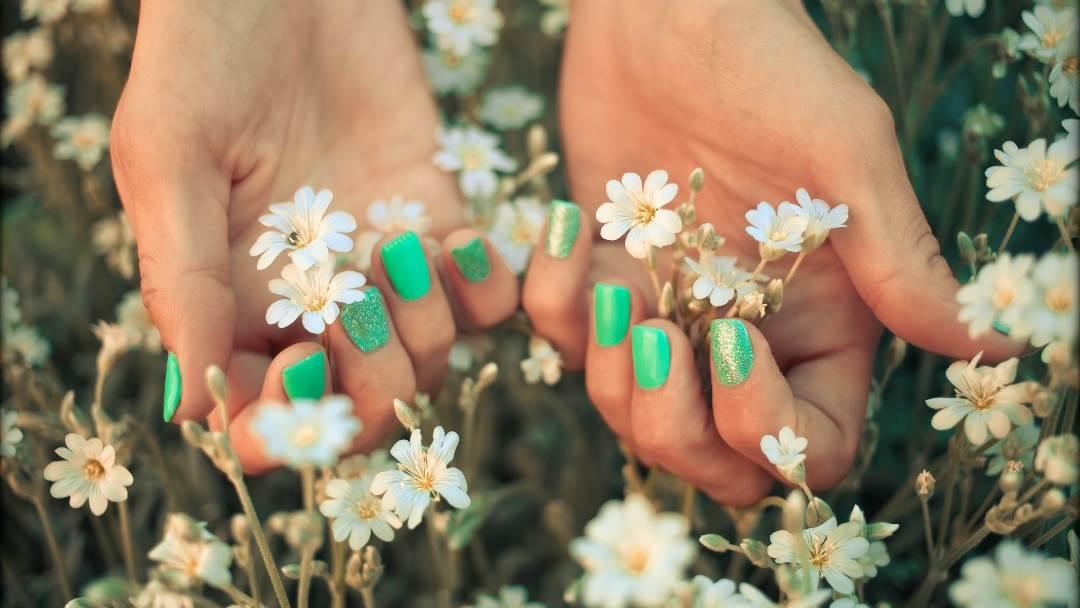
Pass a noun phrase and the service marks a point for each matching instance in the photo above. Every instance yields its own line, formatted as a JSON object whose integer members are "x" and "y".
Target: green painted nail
{"x": 472, "y": 260}
{"x": 403, "y": 258}
{"x": 172, "y": 387}
{"x": 652, "y": 356}
{"x": 366, "y": 321}
{"x": 563, "y": 222}
{"x": 611, "y": 305}
{"x": 305, "y": 379}
{"x": 732, "y": 353}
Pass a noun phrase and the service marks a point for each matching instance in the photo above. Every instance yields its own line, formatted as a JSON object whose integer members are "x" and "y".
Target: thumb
{"x": 176, "y": 200}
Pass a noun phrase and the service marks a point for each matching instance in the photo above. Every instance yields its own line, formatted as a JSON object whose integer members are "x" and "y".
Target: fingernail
{"x": 403, "y": 258}
{"x": 171, "y": 397}
{"x": 1000, "y": 327}
{"x": 732, "y": 352}
{"x": 366, "y": 321}
{"x": 563, "y": 222}
{"x": 652, "y": 356}
{"x": 305, "y": 379}
{"x": 472, "y": 260}
{"x": 611, "y": 305}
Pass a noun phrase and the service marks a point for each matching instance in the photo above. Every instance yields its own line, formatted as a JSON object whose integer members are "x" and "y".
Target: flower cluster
{"x": 20, "y": 340}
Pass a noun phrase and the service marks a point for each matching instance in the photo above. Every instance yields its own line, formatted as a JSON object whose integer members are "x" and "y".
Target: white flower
{"x": 1064, "y": 85}
{"x": 1054, "y": 313}
{"x": 556, "y": 16}
{"x": 834, "y": 552}
{"x": 719, "y": 279}
{"x": 986, "y": 400}
{"x": 189, "y": 553}
{"x": 423, "y": 475}
{"x": 9, "y": 314}
{"x": 307, "y": 432}
{"x": 24, "y": 51}
{"x": 46, "y": 11}
{"x": 1072, "y": 131}
{"x": 82, "y": 140}
{"x": 475, "y": 154}
{"x": 1002, "y": 289}
{"x": 1057, "y": 457}
{"x": 364, "y": 465}
{"x": 776, "y": 232}
{"x": 88, "y": 6}
{"x": 636, "y": 210}
{"x": 389, "y": 217}
{"x": 1048, "y": 28}
{"x": 133, "y": 317}
{"x": 11, "y": 434}
{"x": 758, "y": 599}
{"x": 510, "y": 107}
{"x": 848, "y": 602}
{"x": 820, "y": 218}
{"x": 720, "y": 594}
{"x": 1015, "y": 577}
{"x": 510, "y": 596}
{"x": 543, "y": 362}
{"x": 314, "y": 294}
{"x": 158, "y": 595}
{"x": 356, "y": 513}
{"x": 31, "y": 101}
{"x": 453, "y": 73}
{"x": 516, "y": 227}
{"x": 113, "y": 239}
{"x": 973, "y": 8}
{"x": 632, "y": 555}
{"x": 785, "y": 451}
{"x": 1037, "y": 178}
{"x": 1018, "y": 445}
{"x": 28, "y": 344}
{"x": 304, "y": 229}
{"x": 88, "y": 472}
{"x": 876, "y": 556}
{"x": 459, "y": 25}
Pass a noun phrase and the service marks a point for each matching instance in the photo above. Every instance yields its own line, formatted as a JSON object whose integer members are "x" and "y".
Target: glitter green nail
{"x": 171, "y": 397}
{"x": 472, "y": 260}
{"x": 366, "y": 321}
{"x": 563, "y": 222}
{"x": 732, "y": 352}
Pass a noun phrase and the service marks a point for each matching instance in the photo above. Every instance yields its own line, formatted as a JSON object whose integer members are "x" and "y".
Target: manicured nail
{"x": 403, "y": 258}
{"x": 563, "y": 222}
{"x": 611, "y": 305}
{"x": 305, "y": 379}
{"x": 732, "y": 352}
{"x": 652, "y": 356}
{"x": 172, "y": 387}
{"x": 1000, "y": 327}
{"x": 472, "y": 260}
{"x": 366, "y": 321}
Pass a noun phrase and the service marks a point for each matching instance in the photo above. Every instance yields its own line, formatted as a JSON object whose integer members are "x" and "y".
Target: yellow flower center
{"x": 83, "y": 140}
{"x": 314, "y": 302}
{"x": 305, "y": 436}
{"x": 459, "y": 11}
{"x": 1070, "y": 66}
{"x": 1050, "y": 39}
{"x": 634, "y": 559}
{"x": 423, "y": 474}
{"x": 451, "y": 60}
{"x": 1003, "y": 296}
{"x": 1058, "y": 299}
{"x": 471, "y": 158}
{"x": 820, "y": 553}
{"x": 367, "y": 508}
{"x": 1045, "y": 173}
{"x": 522, "y": 233}
{"x": 93, "y": 469}
{"x": 644, "y": 213}
{"x": 1023, "y": 591}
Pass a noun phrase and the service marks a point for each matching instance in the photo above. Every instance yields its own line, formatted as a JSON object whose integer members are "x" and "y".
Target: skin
{"x": 748, "y": 90}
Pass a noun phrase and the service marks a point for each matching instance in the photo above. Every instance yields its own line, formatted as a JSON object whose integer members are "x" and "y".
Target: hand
{"x": 230, "y": 107}
{"x": 751, "y": 92}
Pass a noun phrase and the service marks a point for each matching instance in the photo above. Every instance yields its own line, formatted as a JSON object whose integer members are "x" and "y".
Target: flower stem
{"x": 1065, "y": 235}
{"x": 654, "y": 278}
{"x": 761, "y": 266}
{"x": 1058, "y": 528}
{"x": 337, "y": 573}
{"x": 368, "y": 595}
{"x": 1009, "y": 231}
{"x": 303, "y": 590}
{"x": 689, "y": 494}
{"x": 126, "y": 542}
{"x": 442, "y": 594}
{"x": 238, "y": 596}
{"x": 794, "y": 267}
{"x": 260, "y": 540}
{"x": 927, "y": 529}
{"x": 54, "y": 548}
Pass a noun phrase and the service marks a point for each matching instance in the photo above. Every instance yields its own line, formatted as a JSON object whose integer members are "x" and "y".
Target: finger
{"x": 672, "y": 424}
{"x": 485, "y": 291}
{"x": 405, "y": 274}
{"x": 555, "y": 283}
{"x": 823, "y": 399}
{"x": 609, "y": 375}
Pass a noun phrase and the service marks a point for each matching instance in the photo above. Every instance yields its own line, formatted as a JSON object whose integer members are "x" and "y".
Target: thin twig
{"x": 126, "y": 542}
{"x": 54, "y": 548}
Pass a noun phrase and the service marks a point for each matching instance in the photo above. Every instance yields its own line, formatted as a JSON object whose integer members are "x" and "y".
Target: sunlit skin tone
{"x": 751, "y": 92}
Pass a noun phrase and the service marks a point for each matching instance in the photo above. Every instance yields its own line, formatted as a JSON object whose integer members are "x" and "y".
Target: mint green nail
{"x": 171, "y": 397}
{"x": 611, "y": 306}
{"x": 472, "y": 260}
{"x": 732, "y": 352}
{"x": 652, "y": 356}
{"x": 563, "y": 222}
{"x": 366, "y": 321}
{"x": 305, "y": 379}
{"x": 405, "y": 263}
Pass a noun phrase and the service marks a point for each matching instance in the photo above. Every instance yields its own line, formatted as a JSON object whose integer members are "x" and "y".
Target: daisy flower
{"x": 1018, "y": 445}
{"x": 307, "y": 432}
{"x": 876, "y": 556}
{"x": 133, "y": 317}
{"x": 45, "y": 11}
{"x": 389, "y": 217}
{"x": 355, "y": 513}
{"x": 31, "y": 101}
{"x": 719, "y": 279}
{"x": 25, "y": 51}
{"x": 364, "y": 465}
{"x": 972, "y": 8}
{"x": 26, "y": 342}
{"x": 11, "y": 435}
{"x": 305, "y": 230}
{"x": 1003, "y": 288}
{"x": 157, "y": 594}
{"x": 632, "y": 555}
{"x": 721, "y": 594}
{"x": 1072, "y": 131}
{"x": 449, "y": 72}
{"x": 1057, "y": 458}
{"x": 820, "y": 218}
{"x": 515, "y": 229}
{"x": 476, "y": 156}
{"x": 834, "y": 552}
{"x": 1048, "y": 28}
{"x": 1053, "y": 315}
{"x": 757, "y": 599}
{"x": 423, "y": 474}
{"x": 509, "y": 108}
{"x": 313, "y": 294}
{"x": 88, "y": 472}
{"x": 776, "y": 232}
{"x": 190, "y": 553}
{"x": 543, "y": 362}
{"x": 1037, "y": 178}
{"x": 986, "y": 400}
{"x": 82, "y": 140}
{"x": 637, "y": 210}
{"x": 112, "y": 238}
{"x": 1064, "y": 85}
{"x": 555, "y": 17}
{"x": 460, "y": 25}
{"x": 1014, "y": 577}
{"x": 786, "y": 450}
{"x": 510, "y": 596}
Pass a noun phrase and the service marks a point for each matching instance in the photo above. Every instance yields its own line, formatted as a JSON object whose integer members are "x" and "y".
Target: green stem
{"x": 126, "y": 542}
{"x": 303, "y": 591}
{"x": 1058, "y": 528}
{"x": 54, "y": 548}
{"x": 260, "y": 540}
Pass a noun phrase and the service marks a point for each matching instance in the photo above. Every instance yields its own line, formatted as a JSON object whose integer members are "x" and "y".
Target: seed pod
{"x": 774, "y": 296}
{"x": 924, "y": 484}
{"x": 967, "y": 247}
{"x": 715, "y": 542}
{"x": 666, "y": 306}
{"x": 755, "y": 551}
{"x": 697, "y": 179}
{"x": 537, "y": 140}
{"x": 406, "y": 415}
{"x": 217, "y": 383}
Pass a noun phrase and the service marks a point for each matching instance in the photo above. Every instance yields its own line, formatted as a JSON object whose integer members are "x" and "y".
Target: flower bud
{"x": 773, "y": 296}
{"x": 697, "y": 179}
{"x": 924, "y": 485}
{"x": 73, "y": 417}
{"x": 793, "y": 515}
{"x": 217, "y": 383}
{"x": 715, "y": 542}
{"x": 895, "y": 353}
{"x": 194, "y": 434}
{"x": 751, "y": 307}
{"x": 240, "y": 528}
{"x": 536, "y": 140}
{"x": 967, "y": 247}
{"x": 1011, "y": 479}
{"x": 796, "y": 473}
{"x": 755, "y": 551}
{"x": 488, "y": 373}
{"x": 406, "y": 415}
{"x": 818, "y": 513}
{"x": 1051, "y": 503}
{"x": 666, "y": 306}
{"x": 706, "y": 238}
{"x": 183, "y": 527}
{"x": 687, "y": 213}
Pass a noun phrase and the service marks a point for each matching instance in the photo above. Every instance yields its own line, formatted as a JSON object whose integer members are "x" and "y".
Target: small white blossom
{"x": 719, "y": 594}
{"x": 834, "y": 552}
{"x": 307, "y": 433}
{"x": 45, "y": 11}
{"x": 785, "y": 451}
{"x": 1065, "y": 76}
{"x": 364, "y": 465}
{"x": 1015, "y": 577}
{"x": 1057, "y": 457}
{"x": 189, "y": 553}
{"x": 461, "y": 25}
{"x": 1072, "y": 131}
{"x": 313, "y": 295}
{"x": 719, "y": 279}
{"x": 637, "y": 210}
{"x": 453, "y": 73}
{"x": 1049, "y": 27}
{"x": 1018, "y": 445}
{"x": 81, "y": 139}
{"x": 1002, "y": 290}
{"x": 133, "y": 317}
{"x": 972, "y": 8}
{"x": 517, "y": 226}
{"x": 820, "y": 219}
{"x": 544, "y": 362}
{"x": 11, "y": 434}
{"x": 876, "y": 556}
{"x": 305, "y": 230}
{"x": 385, "y": 218}
{"x": 32, "y": 101}
{"x": 476, "y": 156}
{"x": 510, "y": 596}
{"x": 88, "y": 473}
{"x": 775, "y": 231}
{"x": 1053, "y": 315}
{"x": 157, "y": 594}
{"x": 1037, "y": 178}
{"x": 424, "y": 474}
{"x": 356, "y": 514}
{"x": 25, "y": 51}
{"x": 555, "y": 17}
{"x": 986, "y": 400}
{"x": 509, "y": 108}
{"x": 26, "y": 342}
{"x": 758, "y": 599}
{"x": 112, "y": 238}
